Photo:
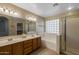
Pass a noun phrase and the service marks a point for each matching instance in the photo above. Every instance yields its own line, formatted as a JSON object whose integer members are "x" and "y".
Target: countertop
{"x": 7, "y": 40}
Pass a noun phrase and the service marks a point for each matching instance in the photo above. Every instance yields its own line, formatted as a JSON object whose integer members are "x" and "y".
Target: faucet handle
{"x": 10, "y": 39}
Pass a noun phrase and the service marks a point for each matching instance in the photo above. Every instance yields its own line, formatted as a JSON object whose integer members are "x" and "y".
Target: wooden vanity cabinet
{"x": 27, "y": 46}
{"x": 17, "y": 48}
{"x": 20, "y": 48}
{"x": 6, "y": 50}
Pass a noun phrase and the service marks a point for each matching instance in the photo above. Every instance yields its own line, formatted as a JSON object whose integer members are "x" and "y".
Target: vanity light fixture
{"x": 11, "y": 12}
{"x": 34, "y": 19}
{"x": 1, "y": 9}
{"x": 15, "y": 13}
{"x": 6, "y": 10}
{"x": 31, "y": 18}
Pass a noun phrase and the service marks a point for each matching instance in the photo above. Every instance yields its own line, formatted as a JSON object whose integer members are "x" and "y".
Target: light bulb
{"x": 1, "y": 9}
{"x": 69, "y": 8}
{"x": 7, "y": 11}
{"x": 11, "y": 12}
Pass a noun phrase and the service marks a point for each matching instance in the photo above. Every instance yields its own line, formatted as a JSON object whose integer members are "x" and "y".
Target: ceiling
{"x": 48, "y": 9}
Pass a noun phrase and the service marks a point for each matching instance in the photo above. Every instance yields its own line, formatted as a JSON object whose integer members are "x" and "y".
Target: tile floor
{"x": 44, "y": 51}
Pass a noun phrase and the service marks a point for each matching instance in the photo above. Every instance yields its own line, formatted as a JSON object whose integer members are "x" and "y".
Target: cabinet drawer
{"x": 6, "y": 50}
{"x": 27, "y": 45}
{"x": 35, "y": 44}
{"x": 18, "y": 48}
{"x": 17, "y": 52}
{"x": 28, "y": 50}
{"x": 28, "y": 41}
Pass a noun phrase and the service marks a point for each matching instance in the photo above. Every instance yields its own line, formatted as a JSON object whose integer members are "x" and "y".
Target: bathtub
{"x": 51, "y": 41}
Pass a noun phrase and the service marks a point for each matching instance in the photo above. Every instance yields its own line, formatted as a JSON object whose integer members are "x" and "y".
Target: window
{"x": 52, "y": 26}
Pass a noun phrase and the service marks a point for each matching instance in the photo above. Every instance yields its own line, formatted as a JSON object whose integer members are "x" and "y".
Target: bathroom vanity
{"x": 21, "y": 45}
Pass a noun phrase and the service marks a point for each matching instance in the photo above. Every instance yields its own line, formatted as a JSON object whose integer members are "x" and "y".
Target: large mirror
{"x": 3, "y": 26}
{"x": 16, "y": 26}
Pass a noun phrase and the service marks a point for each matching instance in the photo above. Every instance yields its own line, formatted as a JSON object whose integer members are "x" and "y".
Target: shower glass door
{"x": 72, "y": 35}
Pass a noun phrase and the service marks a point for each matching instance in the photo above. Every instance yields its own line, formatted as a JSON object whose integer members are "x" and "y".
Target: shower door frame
{"x": 64, "y": 51}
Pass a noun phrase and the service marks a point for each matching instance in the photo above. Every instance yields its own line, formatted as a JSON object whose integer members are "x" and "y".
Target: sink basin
{"x": 9, "y": 41}
{"x": 4, "y": 41}
{"x": 17, "y": 39}
{"x": 24, "y": 36}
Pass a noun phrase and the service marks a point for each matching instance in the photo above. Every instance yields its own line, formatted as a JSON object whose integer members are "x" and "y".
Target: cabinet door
{"x": 39, "y": 42}
{"x": 27, "y": 46}
{"x": 18, "y": 48}
{"x": 35, "y": 44}
{"x": 6, "y": 50}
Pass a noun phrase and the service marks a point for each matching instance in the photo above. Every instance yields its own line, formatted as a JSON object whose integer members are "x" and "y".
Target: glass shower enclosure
{"x": 70, "y": 36}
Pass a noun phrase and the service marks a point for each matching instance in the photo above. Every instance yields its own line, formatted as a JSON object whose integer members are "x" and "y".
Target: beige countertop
{"x": 7, "y": 40}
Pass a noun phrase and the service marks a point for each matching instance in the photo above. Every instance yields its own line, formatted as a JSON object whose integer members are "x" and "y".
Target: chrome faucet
{"x": 10, "y": 39}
